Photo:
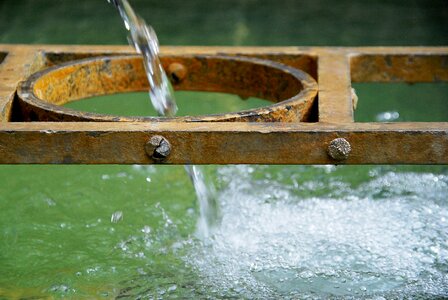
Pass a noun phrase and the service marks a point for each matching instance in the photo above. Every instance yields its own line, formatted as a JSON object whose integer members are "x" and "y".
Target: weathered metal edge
{"x": 223, "y": 143}
{"x": 285, "y": 110}
{"x": 370, "y": 143}
{"x": 11, "y": 72}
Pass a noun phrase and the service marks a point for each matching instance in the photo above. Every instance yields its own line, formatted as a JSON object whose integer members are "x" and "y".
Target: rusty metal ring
{"x": 42, "y": 95}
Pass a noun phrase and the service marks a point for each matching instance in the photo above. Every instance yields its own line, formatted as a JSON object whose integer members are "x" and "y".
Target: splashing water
{"x": 144, "y": 40}
{"x": 306, "y": 233}
{"x": 386, "y": 238}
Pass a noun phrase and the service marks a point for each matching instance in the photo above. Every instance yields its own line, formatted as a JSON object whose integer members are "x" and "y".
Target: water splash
{"x": 144, "y": 40}
{"x": 281, "y": 237}
{"x": 359, "y": 243}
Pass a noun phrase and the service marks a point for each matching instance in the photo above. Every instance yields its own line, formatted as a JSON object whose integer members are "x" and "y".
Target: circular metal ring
{"x": 293, "y": 91}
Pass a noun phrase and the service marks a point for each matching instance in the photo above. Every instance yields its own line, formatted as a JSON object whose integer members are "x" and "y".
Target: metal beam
{"x": 335, "y": 68}
{"x": 222, "y": 143}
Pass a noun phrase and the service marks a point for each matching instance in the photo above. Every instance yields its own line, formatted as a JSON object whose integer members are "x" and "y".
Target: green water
{"x": 190, "y": 104}
{"x": 56, "y": 237}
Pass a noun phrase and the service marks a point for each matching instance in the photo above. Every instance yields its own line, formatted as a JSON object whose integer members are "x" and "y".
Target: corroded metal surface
{"x": 335, "y": 98}
{"x": 339, "y": 149}
{"x": 399, "y": 68}
{"x": 42, "y": 95}
{"x": 158, "y": 148}
{"x": 222, "y": 142}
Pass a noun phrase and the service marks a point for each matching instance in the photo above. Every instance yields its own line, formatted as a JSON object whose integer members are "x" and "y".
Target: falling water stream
{"x": 145, "y": 42}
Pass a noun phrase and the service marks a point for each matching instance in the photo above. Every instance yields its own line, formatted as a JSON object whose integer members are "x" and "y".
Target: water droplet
{"x": 172, "y": 288}
{"x": 140, "y": 255}
{"x": 60, "y": 288}
{"x": 146, "y": 229}
{"x": 92, "y": 270}
{"x": 104, "y": 294}
{"x": 50, "y": 202}
{"x": 116, "y": 217}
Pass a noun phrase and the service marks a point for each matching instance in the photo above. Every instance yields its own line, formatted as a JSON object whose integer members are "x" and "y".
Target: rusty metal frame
{"x": 238, "y": 142}
{"x": 41, "y": 96}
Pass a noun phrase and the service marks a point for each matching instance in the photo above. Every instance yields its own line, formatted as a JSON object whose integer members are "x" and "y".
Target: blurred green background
{"x": 232, "y": 22}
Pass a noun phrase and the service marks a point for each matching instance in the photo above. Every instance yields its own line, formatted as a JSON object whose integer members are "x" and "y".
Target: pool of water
{"x": 290, "y": 231}
{"x": 190, "y": 104}
{"x": 374, "y": 232}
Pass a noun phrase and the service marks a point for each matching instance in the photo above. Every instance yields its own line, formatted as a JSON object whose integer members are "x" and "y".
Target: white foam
{"x": 386, "y": 237}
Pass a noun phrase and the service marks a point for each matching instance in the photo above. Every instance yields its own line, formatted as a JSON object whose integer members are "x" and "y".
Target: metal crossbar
{"x": 325, "y": 134}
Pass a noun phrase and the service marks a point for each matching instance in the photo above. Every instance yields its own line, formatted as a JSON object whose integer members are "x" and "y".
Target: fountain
{"x": 286, "y": 232}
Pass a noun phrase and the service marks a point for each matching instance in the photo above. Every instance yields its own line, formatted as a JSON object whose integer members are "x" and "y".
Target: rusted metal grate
{"x": 325, "y": 134}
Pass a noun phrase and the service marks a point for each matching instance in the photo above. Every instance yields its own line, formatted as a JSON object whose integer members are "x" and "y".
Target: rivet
{"x": 158, "y": 148}
{"x": 339, "y": 149}
{"x": 177, "y": 72}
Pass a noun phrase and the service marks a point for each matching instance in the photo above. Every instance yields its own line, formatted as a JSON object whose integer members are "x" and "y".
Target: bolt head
{"x": 158, "y": 148}
{"x": 177, "y": 72}
{"x": 339, "y": 149}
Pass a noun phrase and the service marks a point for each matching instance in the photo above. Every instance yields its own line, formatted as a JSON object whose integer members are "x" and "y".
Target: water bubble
{"x": 104, "y": 294}
{"x": 146, "y": 229}
{"x": 50, "y": 202}
{"x": 61, "y": 288}
{"x": 387, "y": 116}
{"x": 92, "y": 270}
{"x": 172, "y": 288}
{"x": 137, "y": 167}
{"x": 122, "y": 174}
